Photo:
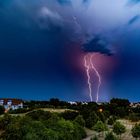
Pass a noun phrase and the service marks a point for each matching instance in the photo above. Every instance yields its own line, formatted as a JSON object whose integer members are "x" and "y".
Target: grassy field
{"x": 44, "y": 109}
{"x": 55, "y": 110}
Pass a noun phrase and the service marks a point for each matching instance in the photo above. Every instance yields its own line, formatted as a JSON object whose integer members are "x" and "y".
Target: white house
{"x": 10, "y": 103}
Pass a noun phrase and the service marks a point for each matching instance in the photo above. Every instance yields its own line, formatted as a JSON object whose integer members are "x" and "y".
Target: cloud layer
{"x": 80, "y": 19}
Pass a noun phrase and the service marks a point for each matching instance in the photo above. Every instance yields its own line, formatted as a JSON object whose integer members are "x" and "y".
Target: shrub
{"x": 69, "y": 115}
{"x": 101, "y": 116}
{"x": 39, "y": 115}
{"x": 110, "y": 136}
{"x": 92, "y": 120}
{"x": 20, "y": 110}
{"x": 5, "y": 121}
{"x": 1, "y": 110}
{"x": 55, "y": 128}
{"x": 136, "y": 131}
{"x": 134, "y": 117}
{"x": 79, "y": 119}
{"x": 119, "y": 128}
{"x": 99, "y": 127}
{"x": 111, "y": 120}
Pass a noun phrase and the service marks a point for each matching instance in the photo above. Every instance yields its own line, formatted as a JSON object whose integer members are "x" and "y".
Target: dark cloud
{"x": 97, "y": 45}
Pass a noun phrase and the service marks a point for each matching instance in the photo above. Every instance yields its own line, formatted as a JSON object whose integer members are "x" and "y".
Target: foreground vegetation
{"x": 59, "y": 120}
{"x": 40, "y": 125}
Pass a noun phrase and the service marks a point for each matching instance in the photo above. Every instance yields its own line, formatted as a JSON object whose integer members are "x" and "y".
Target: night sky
{"x": 43, "y": 43}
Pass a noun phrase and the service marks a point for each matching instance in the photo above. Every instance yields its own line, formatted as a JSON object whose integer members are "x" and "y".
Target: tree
{"x": 136, "y": 131}
{"x": 69, "y": 115}
{"x": 119, "y": 107}
{"x": 69, "y": 130}
{"x": 30, "y": 127}
{"x": 100, "y": 127}
{"x": 5, "y": 121}
{"x": 111, "y": 120}
{"x": 51, "y": 135}
{"x": 55, "y": 102}
{"x": 119, "y": 128}
{"x": 120, "y": 102}
{"x": 134, "y": 117}
{"x": 79, "y": 119}
{"x": 80, "y": 131}
{"x": 110, "y": 136}
{"x": 39, "y": 115}
{"x": 92, "y": 119}
{"x": 12, "y": 132}
{"x": 2, "y": 110}
{"x": 101, "y": 116}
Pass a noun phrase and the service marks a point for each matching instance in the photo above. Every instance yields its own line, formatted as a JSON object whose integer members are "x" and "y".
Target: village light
{"x": 100, "y": 110}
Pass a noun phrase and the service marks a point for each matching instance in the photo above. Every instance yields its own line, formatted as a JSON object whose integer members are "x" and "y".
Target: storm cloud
{"x": 42, "y": 40}
{"x": 97, "y": 45}
{"x": 79, "y": 20}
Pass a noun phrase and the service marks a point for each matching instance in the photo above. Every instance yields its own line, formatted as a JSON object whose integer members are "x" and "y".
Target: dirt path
{"x": 90, "y": 134}
{"x": 126, "y": 136}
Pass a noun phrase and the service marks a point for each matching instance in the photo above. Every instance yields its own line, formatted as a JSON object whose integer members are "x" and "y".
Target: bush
{"x": 39, "y": 115}
{"x": 55, "y": 128}
{"x": 5, "y": 121}
{"x": 79, "y": 119}
{"x": 119, "y": 128}
{"x": 92, "y": 120}
{"x": 20, "y": 110}
{"x": 69, "y": 115}
{"x": 1, "y": 110}
{"x": 99, "y": 127}
{"x": 111, "y": 120}
{"x": 110, "y": 136}
{"x": 101, "y": 117}
{"x": 134, "y": 117}
{"x": 136, "y": 131}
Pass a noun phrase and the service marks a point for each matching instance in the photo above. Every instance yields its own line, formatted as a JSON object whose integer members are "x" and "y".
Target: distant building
{"x": 10, "y": 103}
{"x": 134, "y": 105}
{"x": 76, "y": 103}
{"x": 72, "y": 103}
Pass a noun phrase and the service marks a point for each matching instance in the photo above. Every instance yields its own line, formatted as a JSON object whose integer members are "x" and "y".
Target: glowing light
{"x": 100, "y": 110}
{"x": 88, "y": 63}
{"x": 99, "y": 78}
{"x": 88, "y": 77}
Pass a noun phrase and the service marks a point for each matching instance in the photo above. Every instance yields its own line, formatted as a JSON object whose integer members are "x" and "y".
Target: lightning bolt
{"x": 88, "y": 63}
{"x": 88, "y": 77}
{"x": 98, "y": 75}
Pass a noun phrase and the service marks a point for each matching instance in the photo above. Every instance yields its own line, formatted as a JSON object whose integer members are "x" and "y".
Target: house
{"x": 135, "y": 105}
{"x": 10, "y": 103}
